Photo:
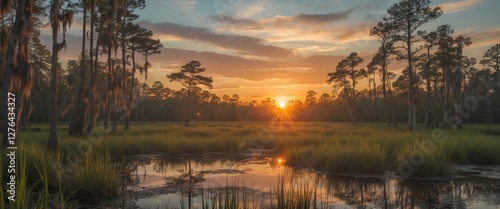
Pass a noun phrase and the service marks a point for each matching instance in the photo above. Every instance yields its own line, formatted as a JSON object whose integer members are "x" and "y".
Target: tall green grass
{"x": 478, "y": 149}
{"x": 2, "y": 198}
{"x": 26, "y": 187}
{"x": 228, "y": 199}
{"x": 361, "y": 158}
{"x": 336, "y": 147}
{"x": 23, "y": 190}
{"x": 433, "y": 164}
{"x": 39, "y": 185}
{"x": 289, "y": 194}
{"x": 97, "y": 176}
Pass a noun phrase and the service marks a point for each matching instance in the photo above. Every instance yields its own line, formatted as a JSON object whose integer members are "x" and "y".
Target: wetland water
{"x": 165, "y": 182}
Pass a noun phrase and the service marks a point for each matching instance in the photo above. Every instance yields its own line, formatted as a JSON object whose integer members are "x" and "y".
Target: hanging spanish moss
{"x": 18, "y": 77}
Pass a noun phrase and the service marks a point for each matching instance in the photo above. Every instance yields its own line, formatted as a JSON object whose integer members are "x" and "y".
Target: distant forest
{"x": 160, "y": 103}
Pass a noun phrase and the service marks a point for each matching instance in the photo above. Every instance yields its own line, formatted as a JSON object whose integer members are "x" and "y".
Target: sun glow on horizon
{"x": 282, "y": 104}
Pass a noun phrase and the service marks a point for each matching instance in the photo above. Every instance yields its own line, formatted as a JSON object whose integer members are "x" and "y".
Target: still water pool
{"x": 263, "y": 181}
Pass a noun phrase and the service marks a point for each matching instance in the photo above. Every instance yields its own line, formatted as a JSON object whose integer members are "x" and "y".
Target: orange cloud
{"x": 452, "y": 7}
{"x": 241, "y": 44}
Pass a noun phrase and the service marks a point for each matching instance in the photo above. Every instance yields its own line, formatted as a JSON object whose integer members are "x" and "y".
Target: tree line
{"x": 437, "y": 76}
{"x": 108, "y": 30}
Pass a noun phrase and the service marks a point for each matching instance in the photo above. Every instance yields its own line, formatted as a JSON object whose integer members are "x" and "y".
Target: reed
{"x": 97, "y": 176}
{"x": 427, "y": 164}
{"x": 292, "y": 193}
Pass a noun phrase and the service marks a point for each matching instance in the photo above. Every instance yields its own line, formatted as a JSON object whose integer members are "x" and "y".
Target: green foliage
{"x": 362, "y": 158}
{"x": 291, "y": 193}
{"x": 2, "y": 188}
{"x": 435, "y": 164}
{"x": 97, "y": 176}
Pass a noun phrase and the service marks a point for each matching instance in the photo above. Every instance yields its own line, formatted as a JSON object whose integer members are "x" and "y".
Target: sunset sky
{"x": 276, "y": 48}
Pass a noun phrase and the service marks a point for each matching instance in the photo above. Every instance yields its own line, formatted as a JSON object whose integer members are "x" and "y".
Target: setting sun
{"x": 282, "y": 104}
{"x": 281, "y": 101}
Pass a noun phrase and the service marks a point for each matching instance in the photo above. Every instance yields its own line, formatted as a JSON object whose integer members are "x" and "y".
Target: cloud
{"x": 247, "y": 23}
{"x": 248, "y": 9}
{"x": 296, "y": 70}
{"x": 185, "y": 5}
{"x": 452, "y": 7}
{"x": 241, "y": 44}
{"x": 482, "y": 37}
{"x": 330, "y": 27}
{"x": 323, "y": 18}
{"x": 237, "y": 22}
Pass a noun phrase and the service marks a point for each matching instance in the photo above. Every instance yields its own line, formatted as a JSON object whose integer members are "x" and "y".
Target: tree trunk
{"x": 188, "y": 108}
{"x": 52, "y": 141}
{"x": 393, "y": 105}
{"x": 458, "y": 97}
{"x": 114, "y": 94}
{"x": 428, "y": 82}
{"x": 412, "y": 113}
{"x": 446, "y": 83}
{"x": 18, "y": 38}
{"x": 124, "y": 51}
{"x": 384, "y": 89}
{"x": 108, "y": 89}
{"x": 354, "y": 119}
{"x": 130, "y": 104}
{"x": 2, "y": 53}
{"x": 113, "y": 112}
{"x": 92, "y": 92}
{"x": 6, "y": 85}
{"x": 374, "y": 98}
{"x": 78, "y": 120}
{"x": 131, "y": 99}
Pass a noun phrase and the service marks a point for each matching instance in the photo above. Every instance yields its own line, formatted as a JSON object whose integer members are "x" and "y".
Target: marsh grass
{"x": 290, "y": 192}
{"x": 361, "y": 158}
{"x": 164, "y": 205}
{"x": 479, "y": 149}
{"x": 431, "y": 164}
{"x": 335, "y": 147}
{"x": 2, "y": 187}
{"x": 97, "y": 176}
{"x": 40, "y": 186}
{"x": 28, "y": 195}
{"x": 22, "y": 188}
{"x": 293, "y": 193}
{"x": 228, "y": 197}
{"x": 43, "y": 199}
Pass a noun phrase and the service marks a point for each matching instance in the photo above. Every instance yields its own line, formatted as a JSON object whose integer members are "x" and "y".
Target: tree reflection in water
{"x": 400, "y": 193}
{"x": 186, "y": 178}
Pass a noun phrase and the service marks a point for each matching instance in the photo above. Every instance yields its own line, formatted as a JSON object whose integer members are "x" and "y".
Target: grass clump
{"x": 340, "y": 158}
{"x": 96, "y": 176}
{"x": 34, "y": 182}
{"x": 290, "y": 194}
{"x": 414, "y": 162}
{"x": 300, "y": 156}
{"x": 481, "y": 150}
{"x": 362, "y": 159}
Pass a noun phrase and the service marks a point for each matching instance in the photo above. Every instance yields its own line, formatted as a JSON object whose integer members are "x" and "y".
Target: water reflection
{"x": 188, "y": 182}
